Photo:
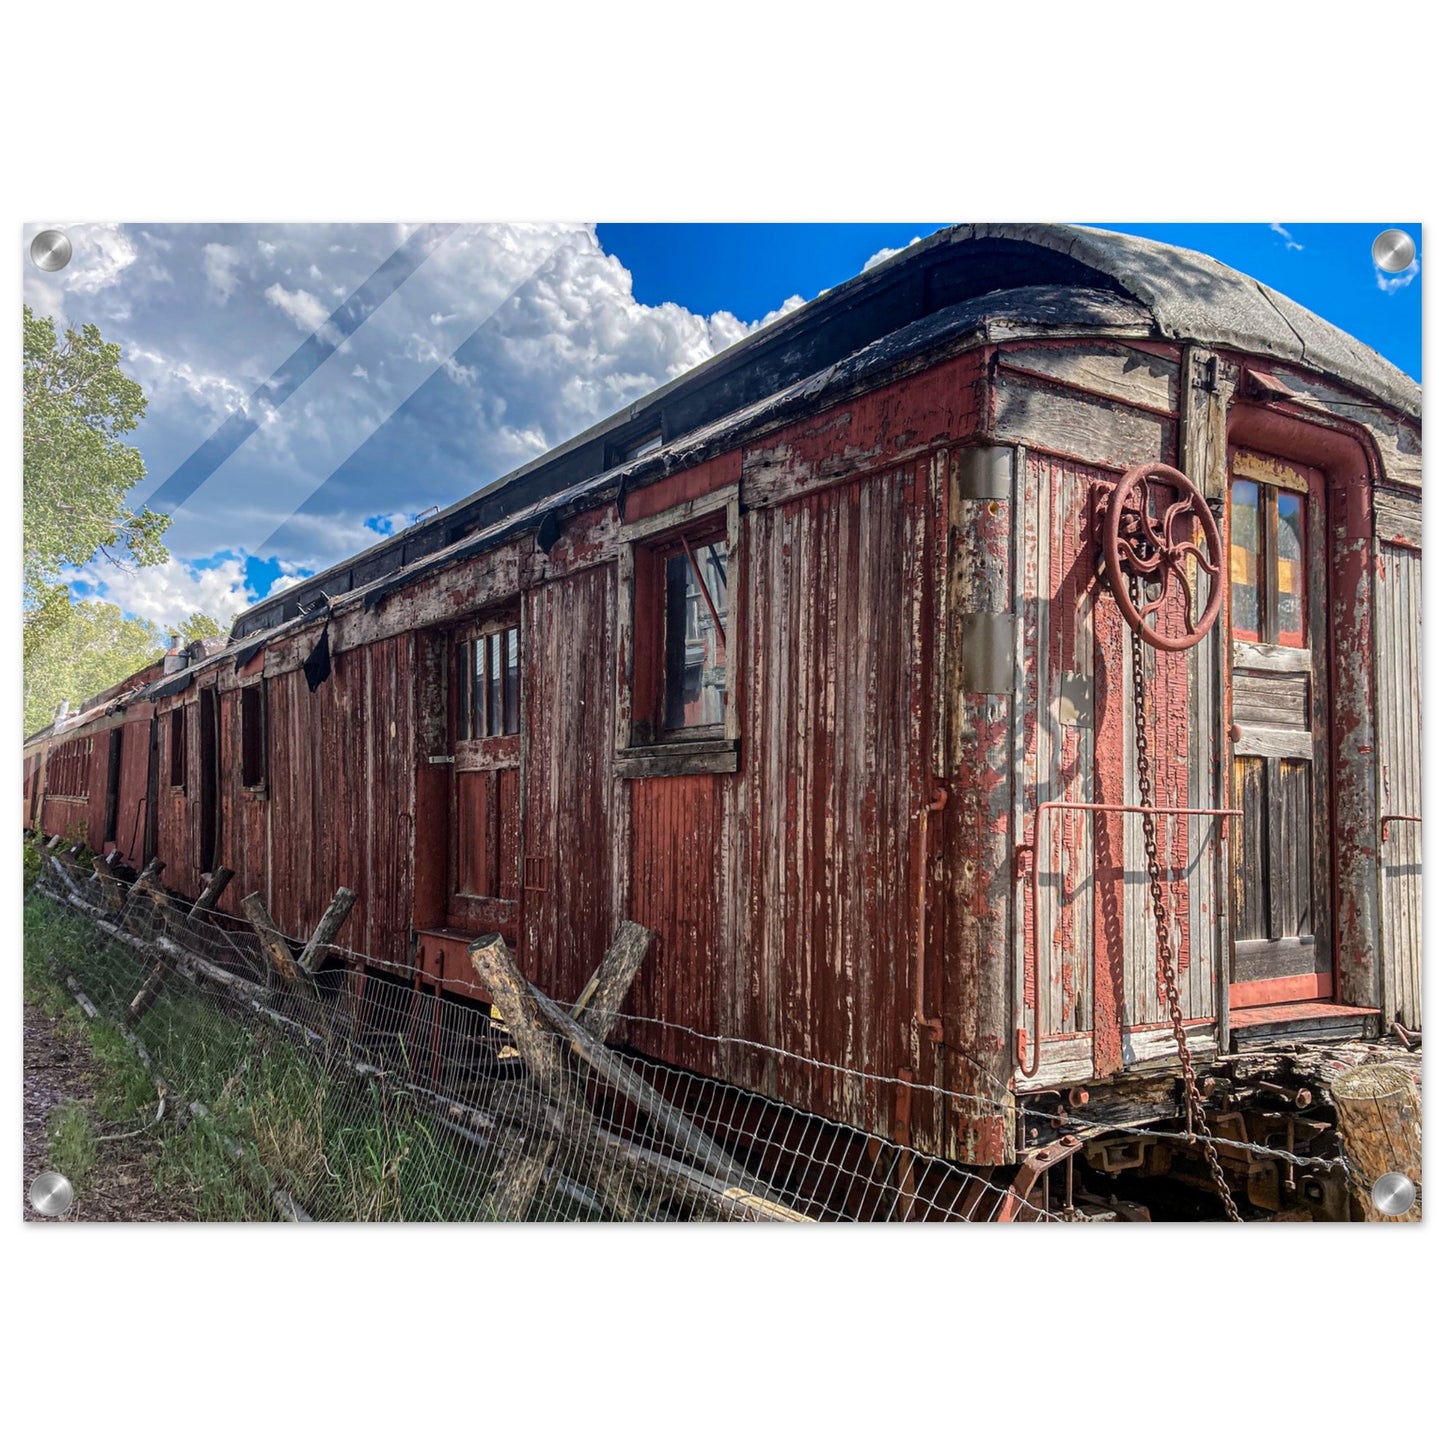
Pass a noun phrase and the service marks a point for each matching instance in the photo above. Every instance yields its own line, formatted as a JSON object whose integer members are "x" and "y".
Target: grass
{"x": 273, "y": 1114}
{"x": 72, "y": 1142}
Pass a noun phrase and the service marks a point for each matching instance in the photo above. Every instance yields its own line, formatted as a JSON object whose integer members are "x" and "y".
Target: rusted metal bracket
{"x": 1056, "y": 805}
{"x": 1032, "y": 1167}
{"x": 1388, "y": 818}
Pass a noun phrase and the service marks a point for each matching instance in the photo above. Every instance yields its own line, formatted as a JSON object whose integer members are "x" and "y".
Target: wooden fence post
{"x": 216, "y": 884}
{"x": 109, "y": 884}
{"x": 314, "y": 954}
{"x": 278, "y": 951}
{"x": 1379, "y": 1119}
{"x": 516, "y": 1001}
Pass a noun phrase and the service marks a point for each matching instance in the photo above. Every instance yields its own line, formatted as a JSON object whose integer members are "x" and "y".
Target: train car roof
{"x": 1073, "y": 279}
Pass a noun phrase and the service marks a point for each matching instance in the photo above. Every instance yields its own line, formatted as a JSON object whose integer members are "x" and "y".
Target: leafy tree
{"x": 200, "y": 624}
{"x": 78, "y": 403}
{"x": 80, "y": 649}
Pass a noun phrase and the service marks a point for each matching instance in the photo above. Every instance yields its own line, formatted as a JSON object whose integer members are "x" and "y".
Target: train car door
{"x": 209, "y": 819}
{"x": 484, "y": 881}
{"x": 1279, "y": 727}
{"x": 112, "y": 785}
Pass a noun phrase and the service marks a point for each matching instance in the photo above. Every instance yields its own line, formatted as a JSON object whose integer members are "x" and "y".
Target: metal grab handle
{"x": 1059, "y": 806}
{"x": 1387, "y": 818}
{"x": 934, "y": 1026}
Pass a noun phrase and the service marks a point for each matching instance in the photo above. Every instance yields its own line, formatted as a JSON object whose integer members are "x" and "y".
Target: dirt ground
{"x": 120, "y": 1186}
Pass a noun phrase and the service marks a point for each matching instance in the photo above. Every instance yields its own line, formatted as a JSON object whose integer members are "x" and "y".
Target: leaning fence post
{"x": 160, "y": 971}
{"x": 109, "y": 884}
{"x": 517, "y": 1004}
{"x": 272, "y": 940}
{"x": 294, "y": 970}
{"x": 216, "y": 884}
{"x": 314, "y": 954}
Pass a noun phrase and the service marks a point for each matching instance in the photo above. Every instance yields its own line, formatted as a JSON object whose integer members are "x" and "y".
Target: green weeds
{"x": 273, "y": 1114}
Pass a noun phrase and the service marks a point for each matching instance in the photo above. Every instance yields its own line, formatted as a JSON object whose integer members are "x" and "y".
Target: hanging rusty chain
{"x": 1193, "y": 1102}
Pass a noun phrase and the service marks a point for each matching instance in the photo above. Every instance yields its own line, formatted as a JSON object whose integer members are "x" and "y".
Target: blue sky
{"x": 312, "y": 387}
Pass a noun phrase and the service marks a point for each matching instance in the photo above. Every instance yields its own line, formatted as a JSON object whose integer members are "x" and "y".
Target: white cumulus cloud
{"x": 879, "y": 257}
{"x": 171, "y": 591}
{"x": 309, "y": 313}
{"x": 220, "y": 263}
{"x": 1396, "y": 281}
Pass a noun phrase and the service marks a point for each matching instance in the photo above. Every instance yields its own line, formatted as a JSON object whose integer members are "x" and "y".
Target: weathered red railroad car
{"x": 818, "y": 662}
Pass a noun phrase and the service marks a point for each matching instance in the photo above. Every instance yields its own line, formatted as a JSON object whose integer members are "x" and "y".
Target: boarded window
{"x": 489, "y": 676}
{"x": 488, "y": 833}
{"x": 694, "y": 686}
{"x": 178, "y": 748}
{"x": 253, "y": 738}
{"x": 68, "y": 772}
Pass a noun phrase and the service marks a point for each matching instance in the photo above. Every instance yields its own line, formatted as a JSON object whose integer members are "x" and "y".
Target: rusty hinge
{"x": 441, "y": 758}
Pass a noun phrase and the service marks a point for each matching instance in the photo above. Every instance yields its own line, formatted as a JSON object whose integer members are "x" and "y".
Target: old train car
{"x": 87, "y": 776}
{"x": 819, "y": 662}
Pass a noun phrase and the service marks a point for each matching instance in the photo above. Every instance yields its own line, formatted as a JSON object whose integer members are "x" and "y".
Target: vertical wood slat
{"x": 832, "y": 752}
{"x": 1401, "y": 879}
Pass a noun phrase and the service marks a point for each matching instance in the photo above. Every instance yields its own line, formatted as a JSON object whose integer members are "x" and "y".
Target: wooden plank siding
{"x": 1398, "y": 626}
{"x": 899, "y": 627}
{"x": 568, "y": 697}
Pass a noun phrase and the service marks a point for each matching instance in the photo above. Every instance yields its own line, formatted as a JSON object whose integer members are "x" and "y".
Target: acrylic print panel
{"x": 648, "y": 723}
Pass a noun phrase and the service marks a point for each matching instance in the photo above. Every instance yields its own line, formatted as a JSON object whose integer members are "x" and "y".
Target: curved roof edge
{"x": 1188, "y": 297}
{"x": 1193, "y": 297}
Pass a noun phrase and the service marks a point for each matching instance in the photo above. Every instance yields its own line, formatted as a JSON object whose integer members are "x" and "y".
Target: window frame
{"x": 501, "y": 749}
{"x": 258, "y": 690}
{"x": 1271, "y": 485}
{"x": 177, "y": 748}
{"x": 644, "y": 747}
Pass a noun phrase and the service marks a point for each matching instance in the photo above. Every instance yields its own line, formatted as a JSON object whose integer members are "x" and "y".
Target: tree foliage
{"x": 201, "y": 624}
{"x": 78, "y": 404}
{"x": 77, "y": 475}
{"x": 77, "y": 649}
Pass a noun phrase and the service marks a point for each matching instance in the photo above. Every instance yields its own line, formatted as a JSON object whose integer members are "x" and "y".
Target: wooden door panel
{"x": 1279, "y": 728}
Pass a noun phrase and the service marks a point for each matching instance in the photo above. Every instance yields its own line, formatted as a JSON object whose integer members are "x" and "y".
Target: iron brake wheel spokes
{"x": 1140, "y": 546}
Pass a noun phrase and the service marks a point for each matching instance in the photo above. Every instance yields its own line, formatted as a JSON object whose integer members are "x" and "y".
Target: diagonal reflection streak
{"x": 303, "y": 363}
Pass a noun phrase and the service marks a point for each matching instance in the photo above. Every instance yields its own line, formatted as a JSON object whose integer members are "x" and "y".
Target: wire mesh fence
{"x": 355, "y": 1094}
{"x": 362, "y": 1091}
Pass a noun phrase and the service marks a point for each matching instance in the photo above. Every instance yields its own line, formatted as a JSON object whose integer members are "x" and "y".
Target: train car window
{"x": 178, "y": 748}
{"x": 1290, "y": 572}
{"x": 678, "y": 594}
{"x": 1244, "y": 560}
{"x": 253, "y": 738}
{"x": 1267, "y": 530}
{"x": 694, "y": 673}
{"x": 489, "y": 684}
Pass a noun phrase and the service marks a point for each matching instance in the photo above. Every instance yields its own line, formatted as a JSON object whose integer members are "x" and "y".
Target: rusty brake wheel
{"x": 1146, "y": 537}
